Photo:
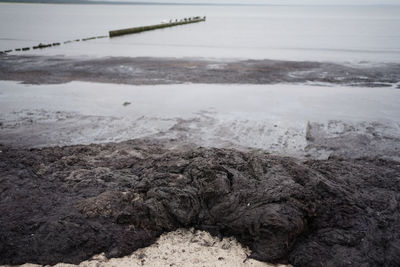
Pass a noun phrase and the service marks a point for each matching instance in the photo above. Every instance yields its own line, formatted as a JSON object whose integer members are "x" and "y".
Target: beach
{"x": 267, "y": 135}
{"x": 183, "y": 247}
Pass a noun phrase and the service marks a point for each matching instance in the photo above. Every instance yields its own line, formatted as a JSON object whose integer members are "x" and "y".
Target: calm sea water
{"x": 344, "y": 34}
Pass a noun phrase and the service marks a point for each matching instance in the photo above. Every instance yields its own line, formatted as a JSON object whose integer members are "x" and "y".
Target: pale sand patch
{"x": 181, "y": 248}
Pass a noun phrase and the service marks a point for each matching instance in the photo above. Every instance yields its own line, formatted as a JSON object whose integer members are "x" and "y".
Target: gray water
{"x": 343, "y": 33}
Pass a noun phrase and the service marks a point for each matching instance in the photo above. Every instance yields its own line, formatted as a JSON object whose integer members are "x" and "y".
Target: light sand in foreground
{"x": 181, "y": 248}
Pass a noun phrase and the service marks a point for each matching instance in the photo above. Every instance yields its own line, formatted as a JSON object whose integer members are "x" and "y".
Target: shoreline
{"x": 280, "y": 167}
{"x": 268, "y": 136}
{"x": 152, "y": 71}
{"x": 290, "y": 120}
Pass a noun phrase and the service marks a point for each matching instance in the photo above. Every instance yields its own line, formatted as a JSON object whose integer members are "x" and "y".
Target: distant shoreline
{"x": 158, "y": 70}
{"x": 88, "y": 2}
{"x": 123, "y": 3}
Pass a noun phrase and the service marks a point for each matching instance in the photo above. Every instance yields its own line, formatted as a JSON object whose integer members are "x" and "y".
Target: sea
{"x": 347, "y": 34}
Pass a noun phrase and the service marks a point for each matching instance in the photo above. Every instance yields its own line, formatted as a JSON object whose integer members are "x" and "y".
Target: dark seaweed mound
{"x": 65, "y": 204}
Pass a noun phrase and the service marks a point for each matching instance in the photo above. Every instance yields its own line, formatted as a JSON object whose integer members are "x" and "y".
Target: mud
{"x": 352, "y": 140}
{"x": 309, "y": 140}
{"x": 66, "y": 204}
{"x": 139, "y": 71}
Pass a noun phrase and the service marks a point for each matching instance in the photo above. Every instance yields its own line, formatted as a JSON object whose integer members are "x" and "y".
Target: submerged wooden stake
{"x": 154, "y": 27}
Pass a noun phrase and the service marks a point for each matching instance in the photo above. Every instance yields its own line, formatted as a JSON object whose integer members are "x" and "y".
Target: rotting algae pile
{"x": 65, "y": 204}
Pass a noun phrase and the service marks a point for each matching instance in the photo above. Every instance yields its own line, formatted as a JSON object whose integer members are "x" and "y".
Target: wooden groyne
{"x": 42, "y": 45}
{"x": 171, "y": 23}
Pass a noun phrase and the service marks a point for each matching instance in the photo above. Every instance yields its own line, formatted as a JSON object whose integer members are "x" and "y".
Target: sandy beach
{"x": 183, "y": 247}
{"x": 266, "y": 135}
{"x": 306, "y": 122}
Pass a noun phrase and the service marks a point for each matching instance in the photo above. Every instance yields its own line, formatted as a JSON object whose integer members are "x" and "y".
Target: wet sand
{"x": 285, "y": 119}
{"x": 344, "y": 117}
{"x": 139, "y": 71}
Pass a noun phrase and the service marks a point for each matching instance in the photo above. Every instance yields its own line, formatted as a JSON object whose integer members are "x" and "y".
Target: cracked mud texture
{"x": 66, "y": 204}
{"x": 138, "y": 71}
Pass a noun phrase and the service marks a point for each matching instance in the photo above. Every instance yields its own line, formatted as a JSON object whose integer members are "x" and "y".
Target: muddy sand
{"x": 139, "y": 71}
{"x": 302, "y": 121}
{"x": 297, "y": 174}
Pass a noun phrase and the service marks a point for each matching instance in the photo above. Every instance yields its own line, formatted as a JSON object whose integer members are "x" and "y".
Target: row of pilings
{"x": 46, "y": 45}
{"x": 171, "y": 23}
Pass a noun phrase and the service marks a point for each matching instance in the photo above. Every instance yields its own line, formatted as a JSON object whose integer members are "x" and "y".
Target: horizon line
{"x": 99, "y": 2}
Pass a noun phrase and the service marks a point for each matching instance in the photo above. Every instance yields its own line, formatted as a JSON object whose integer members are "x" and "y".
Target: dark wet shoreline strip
{"x": 143, "y": 71}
